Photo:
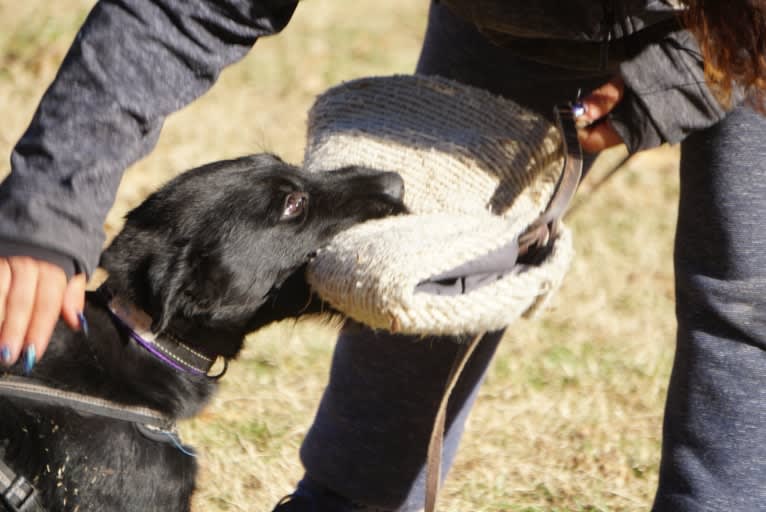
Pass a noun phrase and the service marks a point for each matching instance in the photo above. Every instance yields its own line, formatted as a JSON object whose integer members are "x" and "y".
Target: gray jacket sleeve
{"x": 132, "y": 63}
{"x": 666, "y": 97}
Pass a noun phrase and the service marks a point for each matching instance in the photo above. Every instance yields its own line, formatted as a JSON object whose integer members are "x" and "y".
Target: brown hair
{"x": 732, "y": 37}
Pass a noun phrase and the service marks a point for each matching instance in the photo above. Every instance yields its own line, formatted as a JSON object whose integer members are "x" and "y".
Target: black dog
{"x": 216, "y": 253}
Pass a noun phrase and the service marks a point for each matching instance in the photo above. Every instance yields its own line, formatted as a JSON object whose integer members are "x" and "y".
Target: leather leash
{"x": 539, "y": 235}
{"x": 436, "y": 442}
{"x": 543, "y": 229}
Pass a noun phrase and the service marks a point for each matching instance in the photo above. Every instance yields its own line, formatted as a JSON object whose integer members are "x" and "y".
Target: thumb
{"x": 602, "y": 100}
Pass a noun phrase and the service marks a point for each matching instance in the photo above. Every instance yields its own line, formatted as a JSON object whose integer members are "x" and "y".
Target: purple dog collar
{"x": 167, "y": 349}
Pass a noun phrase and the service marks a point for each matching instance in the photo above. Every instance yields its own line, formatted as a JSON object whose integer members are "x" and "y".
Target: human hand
{"x": 33, "y": 294}
{"x": 593, "y": 127}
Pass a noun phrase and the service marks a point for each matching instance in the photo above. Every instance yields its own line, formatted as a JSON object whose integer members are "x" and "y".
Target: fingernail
{"x": 83, "y": 323}
{"x": 29, "y": 359}
{"x": 579, "y": 109}
{"x": 5, "y": 355}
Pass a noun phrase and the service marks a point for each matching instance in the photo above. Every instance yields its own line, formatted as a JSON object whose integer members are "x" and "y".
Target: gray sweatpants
{"x": 714, "y": 439}
{"x": 368, "y": 440}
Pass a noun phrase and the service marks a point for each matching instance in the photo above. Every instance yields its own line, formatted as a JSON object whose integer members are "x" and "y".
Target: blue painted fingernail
{"x": 83, "y": 323}
{"x": 29, "y": 359}
{"x": 579, "y": 109}
{"x": 5, "y": 355}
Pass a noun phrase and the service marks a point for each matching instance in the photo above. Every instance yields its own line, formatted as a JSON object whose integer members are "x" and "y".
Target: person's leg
{"x": 369, "y": 438}
{"x": 714, "y": 438}
{"x": 370, "y": 435}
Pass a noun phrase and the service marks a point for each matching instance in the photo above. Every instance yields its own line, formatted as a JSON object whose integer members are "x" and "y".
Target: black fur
{"x": 216, "y": 253}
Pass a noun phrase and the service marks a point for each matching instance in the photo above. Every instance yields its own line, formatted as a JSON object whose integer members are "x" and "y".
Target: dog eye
{"x": 295, "y": 205}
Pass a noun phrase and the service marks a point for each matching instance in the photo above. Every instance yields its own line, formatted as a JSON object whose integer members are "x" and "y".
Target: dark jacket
{"x": 642, "y": 40}
{"x": 136, "y": 61}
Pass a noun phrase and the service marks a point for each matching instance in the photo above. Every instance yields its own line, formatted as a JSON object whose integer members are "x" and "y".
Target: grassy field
{"x": 570, "y": 415}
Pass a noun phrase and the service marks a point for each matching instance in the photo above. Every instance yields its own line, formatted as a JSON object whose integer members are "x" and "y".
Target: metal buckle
{"x": 20, "y": 496}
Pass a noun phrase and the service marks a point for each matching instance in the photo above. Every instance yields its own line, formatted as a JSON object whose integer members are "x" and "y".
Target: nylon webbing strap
{"x": 16, "y": 493}
{"x": 16, "y": 387}
{"x": 167, "y": 349}
{"x": 539, "y": 234}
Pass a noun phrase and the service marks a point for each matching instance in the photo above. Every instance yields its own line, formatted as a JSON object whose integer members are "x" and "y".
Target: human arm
{"x": 132, "y": 63}
{"x": 660, "y": 96}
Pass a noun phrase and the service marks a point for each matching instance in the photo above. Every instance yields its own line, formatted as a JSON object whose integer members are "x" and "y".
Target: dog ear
{"x": 150, "y": 270}
{"x": 190, "y": 282}
{"x": 167, "y": 278}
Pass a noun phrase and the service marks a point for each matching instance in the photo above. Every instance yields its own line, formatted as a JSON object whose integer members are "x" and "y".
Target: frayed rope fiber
{"x": 478, "y": 169}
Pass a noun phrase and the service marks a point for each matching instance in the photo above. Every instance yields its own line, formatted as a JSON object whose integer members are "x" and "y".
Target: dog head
{"x": 213, "y": 249}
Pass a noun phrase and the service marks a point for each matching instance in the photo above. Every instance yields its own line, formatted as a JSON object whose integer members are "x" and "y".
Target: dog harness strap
{"x": 16, "y": 493}
{"x": 16, "y": 387}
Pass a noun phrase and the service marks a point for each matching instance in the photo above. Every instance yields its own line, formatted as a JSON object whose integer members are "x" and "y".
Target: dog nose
{"x": 392, "y": 185}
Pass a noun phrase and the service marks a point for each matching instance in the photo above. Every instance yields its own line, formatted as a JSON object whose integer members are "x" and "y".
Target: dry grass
{"x": 569, "y": 418}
